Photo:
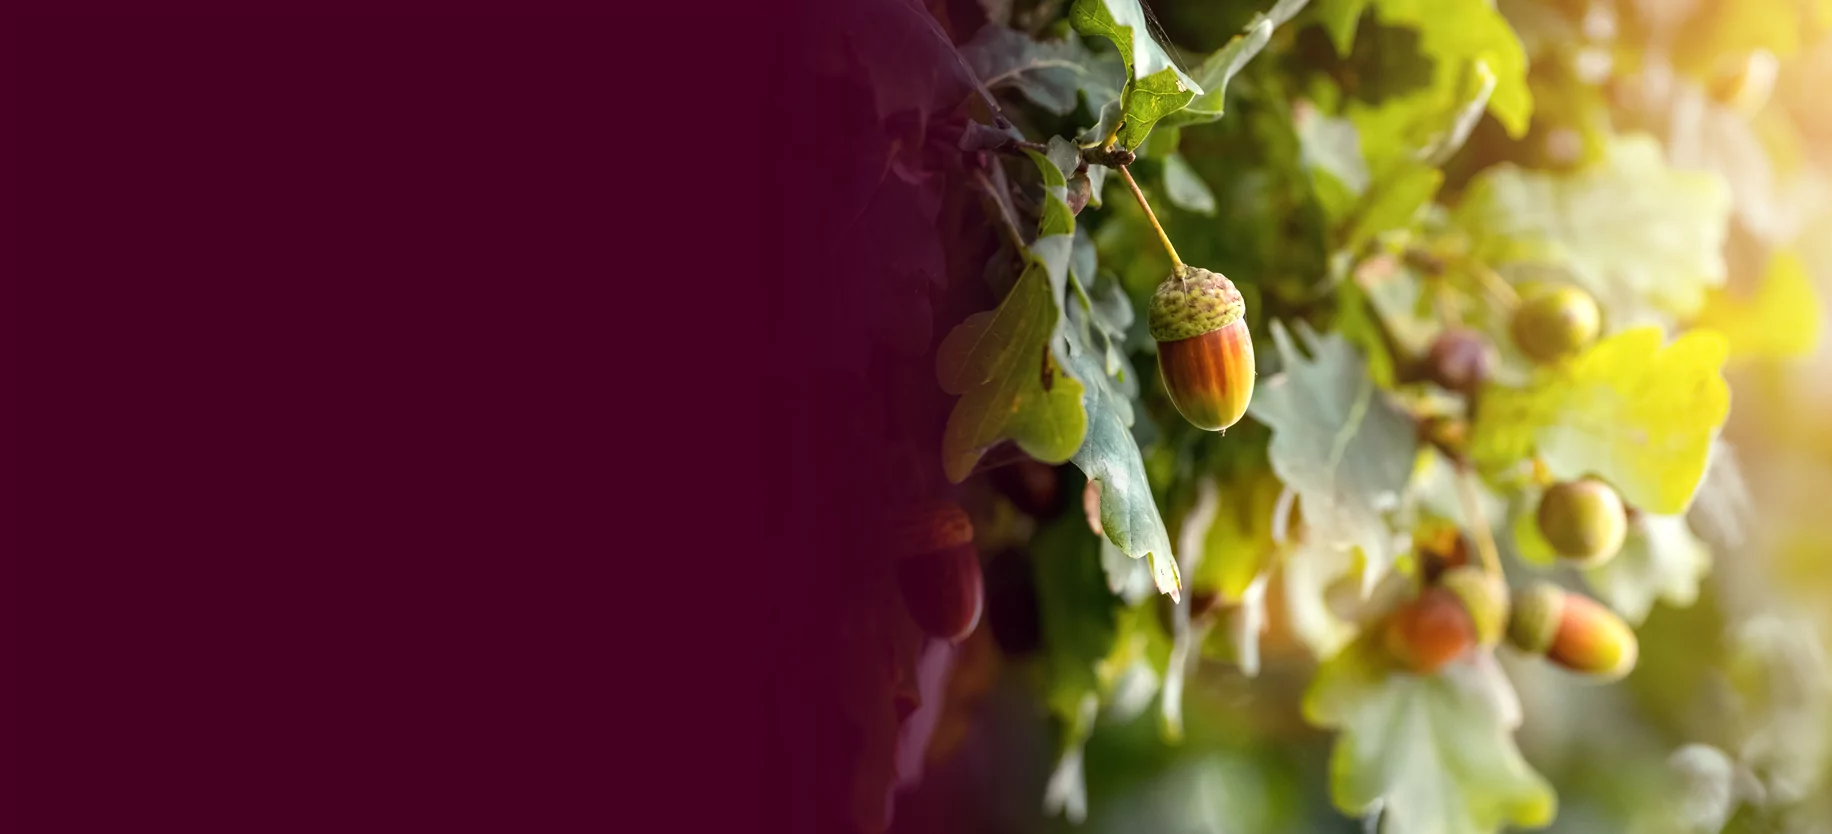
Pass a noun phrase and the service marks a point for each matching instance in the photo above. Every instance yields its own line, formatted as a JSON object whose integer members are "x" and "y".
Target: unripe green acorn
{"x": 1484, "y": 596}
{"x": 1205, "y": 353}
{"x": 938, "y": 570}
{"x": 1573, "y": 631}
{"x": 1556, "y": 323}
{"x": 1583, "y": 520}
{"x": 1430, "y": 630}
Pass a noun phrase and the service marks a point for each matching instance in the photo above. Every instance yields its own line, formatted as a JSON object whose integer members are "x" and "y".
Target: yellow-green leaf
{"x": 1238, "y": 546}
{"x": 1461, "y": 33}
{"x": 1640, "y": 236}
{"x": 1639, "y": 414}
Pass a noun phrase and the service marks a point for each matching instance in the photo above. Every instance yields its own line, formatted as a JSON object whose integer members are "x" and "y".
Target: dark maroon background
{"x": 395, "y": 403}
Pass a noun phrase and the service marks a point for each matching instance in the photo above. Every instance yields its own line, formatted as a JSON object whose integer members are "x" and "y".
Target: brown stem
{"x": 1175, "y": 262}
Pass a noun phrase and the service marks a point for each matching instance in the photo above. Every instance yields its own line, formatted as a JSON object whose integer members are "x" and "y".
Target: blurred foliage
{"x": 1372, "y": 174}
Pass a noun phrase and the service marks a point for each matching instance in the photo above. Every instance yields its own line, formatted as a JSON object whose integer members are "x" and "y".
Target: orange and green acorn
{"x": 1465, "y": 610}
{"x": 1205, "y": 354}
{"x": 1573, "y": 631}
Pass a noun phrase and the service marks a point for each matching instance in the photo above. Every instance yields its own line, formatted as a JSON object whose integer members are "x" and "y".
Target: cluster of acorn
{"x": 1552, "y": 324}
{"x": 1465, "y": 608}
{"x": 1468, "y": 609}
{"x": 1584, "y": 521}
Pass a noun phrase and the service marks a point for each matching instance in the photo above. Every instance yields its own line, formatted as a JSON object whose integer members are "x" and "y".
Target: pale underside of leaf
{"x": 1435, "y": 754}
{"x": 1337, "y": 441}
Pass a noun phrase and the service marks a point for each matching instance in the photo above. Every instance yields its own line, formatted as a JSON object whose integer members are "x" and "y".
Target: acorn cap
{"x": 1484, "y": 597}
{"x": 1191, "y": 302}
{"x": 929, "y": 528}
{"x": 1533, "y": 622}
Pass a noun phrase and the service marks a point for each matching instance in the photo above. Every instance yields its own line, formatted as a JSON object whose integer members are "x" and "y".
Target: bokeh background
{"x": 1726, "y": 723}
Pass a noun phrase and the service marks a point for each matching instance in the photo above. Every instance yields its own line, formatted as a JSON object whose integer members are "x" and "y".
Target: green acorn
{"x": 1205, "y": 353}
{"x": 1556, "y": 323}
{"x": 1583, "y": 520}
{"x": 1573, "y": 631}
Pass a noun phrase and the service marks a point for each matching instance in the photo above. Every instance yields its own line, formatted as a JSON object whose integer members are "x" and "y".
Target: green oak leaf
{"x": 1227, "y": 544}
{"x": 1128, "y": 513}
{"x": 998, "y": 362}
{"x": 1459, "y": 34}
{"x": 1155, "y": 87}
{"x": 1236, "y": 540}
{"x": 1088, "y": 347}
{"x": 1427, "y": 125}
{"x": 1432, "y": 754}
{"x": 1307, "y": 575}
{"x": 1660, "y": 560}
{"x": 1639, "y": 414}
{"x": 1049, "y": 73}
{"x": 1338, "y": 442}
{"x": 1220, "y": 67}
{"x": 1001, "y": 362}
{"x": 1643, "y": 238}
{"x": 1340, "y": 18}
{"x": 1330, "y": 150}
{"x": 1359, "y": 205}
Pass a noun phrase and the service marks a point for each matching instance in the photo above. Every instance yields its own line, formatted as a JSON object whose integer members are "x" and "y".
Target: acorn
{"x": 938, "y": 570}
{"x": 1573, "y": 631}
{"x": 1430, "y": 630}
{"x": 1458, "y": 360}
{"x": 1583, "y": 520}
{"x": 1205, "y": 354}
{"x": 1556, "y": 323}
